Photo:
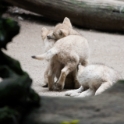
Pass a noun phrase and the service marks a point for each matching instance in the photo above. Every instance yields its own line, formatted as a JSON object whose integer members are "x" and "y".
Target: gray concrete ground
{"x": 105, "y": 48}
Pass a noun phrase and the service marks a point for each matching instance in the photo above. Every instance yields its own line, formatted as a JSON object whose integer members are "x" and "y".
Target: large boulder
{"x": 107, "y": 108}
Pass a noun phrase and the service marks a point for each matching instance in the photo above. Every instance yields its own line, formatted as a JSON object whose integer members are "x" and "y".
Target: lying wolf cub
{"x": 94, "y": 80}
{"x": 68, "y": 51}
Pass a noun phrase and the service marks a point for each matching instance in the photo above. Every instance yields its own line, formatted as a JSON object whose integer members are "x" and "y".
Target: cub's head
{"x": 62, "y": 30}
{"x": 47, "y": 36}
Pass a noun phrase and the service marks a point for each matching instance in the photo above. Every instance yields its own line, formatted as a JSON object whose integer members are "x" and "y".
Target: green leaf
{"x": 65, "y": 122}
{"x": 74, "y": 122}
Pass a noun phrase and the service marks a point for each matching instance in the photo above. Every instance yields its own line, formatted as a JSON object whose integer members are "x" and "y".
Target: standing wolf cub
{"x": 48, "y": 43}
{"x": 94, "y": 80}
{"x": 69, "y": 50}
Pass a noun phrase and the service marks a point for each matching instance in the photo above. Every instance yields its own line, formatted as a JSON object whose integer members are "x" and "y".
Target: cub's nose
{"x": 48, "y": 37}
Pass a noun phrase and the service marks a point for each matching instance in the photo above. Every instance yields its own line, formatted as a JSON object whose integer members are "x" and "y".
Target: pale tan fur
{"x": 69, "y": 52}
{"x": 63, "y": 29}
{"x": 94, "y": 80}
{"x": 48, "y": 43}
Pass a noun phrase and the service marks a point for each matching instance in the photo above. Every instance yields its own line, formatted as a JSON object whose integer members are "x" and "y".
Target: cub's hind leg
{"x": 86, "y": 93}
{"x": 104, "y": 86}
{"x": 64, "y": 72}
{"x": 51, "y": 74}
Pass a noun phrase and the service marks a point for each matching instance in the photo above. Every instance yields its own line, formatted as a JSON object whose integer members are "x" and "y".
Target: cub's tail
{"x": 47, "y": 56}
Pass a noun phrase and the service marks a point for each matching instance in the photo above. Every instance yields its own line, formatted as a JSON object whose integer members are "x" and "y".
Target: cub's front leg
{"x": 64, "y": 72}
{"x": 51, "y": 74}
{"x": 46, "y": 76}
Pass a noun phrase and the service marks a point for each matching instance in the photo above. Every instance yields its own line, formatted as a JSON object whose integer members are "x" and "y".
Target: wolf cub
{"x": 67, "y": 52}
{"x": 48, "y": 43}
{"x": 94, "y": 80}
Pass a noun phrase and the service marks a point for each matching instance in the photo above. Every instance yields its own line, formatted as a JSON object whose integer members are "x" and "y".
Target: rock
{"x": 107, "y": 108}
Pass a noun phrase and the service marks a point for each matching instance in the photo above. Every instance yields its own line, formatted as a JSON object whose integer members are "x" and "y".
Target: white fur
{"x": 96, "y": 78}
{"x": 48, "y": 55}
{"x": 48, "y": 44}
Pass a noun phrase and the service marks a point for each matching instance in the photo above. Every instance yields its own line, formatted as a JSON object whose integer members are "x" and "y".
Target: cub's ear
{"x": 63, "y": 32}
{"x": 67, "y": 22}
{"x": 44, "y": 32}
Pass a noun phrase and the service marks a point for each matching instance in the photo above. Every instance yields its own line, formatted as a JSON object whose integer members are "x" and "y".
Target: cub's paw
{"x": 74, "y": 94}
{"x": 68, "y": 93}
{"x": 50, "y": 88}
{"x": 44, "y": 85}
{"x": 71, "y": 93}
{"x": 57, "y": 87}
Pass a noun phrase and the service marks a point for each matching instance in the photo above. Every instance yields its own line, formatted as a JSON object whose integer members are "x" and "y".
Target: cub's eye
{"x": 48, "y": 37}
{"x": 60, "y": 33}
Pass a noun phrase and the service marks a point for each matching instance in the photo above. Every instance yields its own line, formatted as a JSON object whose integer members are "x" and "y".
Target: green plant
{"x": 16, "y": 95}
{"x": 70, "y": 122}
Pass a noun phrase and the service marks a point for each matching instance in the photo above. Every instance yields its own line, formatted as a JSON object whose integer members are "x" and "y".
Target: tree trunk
{"x": 96, "y": 14}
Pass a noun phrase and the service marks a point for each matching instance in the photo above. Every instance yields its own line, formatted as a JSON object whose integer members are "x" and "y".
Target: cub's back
{"x": 97, "y": 73}
{"x": 73, "y": 44}
{"x": 71, "y": 41}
